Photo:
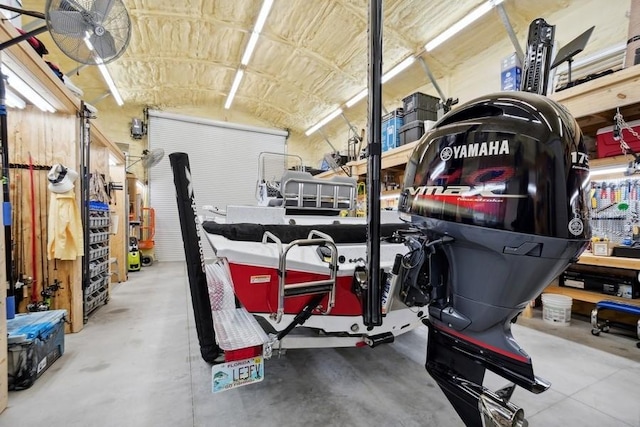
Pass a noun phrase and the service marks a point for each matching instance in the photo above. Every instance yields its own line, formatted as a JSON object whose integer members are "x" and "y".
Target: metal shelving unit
{"x": 96, "y": 287}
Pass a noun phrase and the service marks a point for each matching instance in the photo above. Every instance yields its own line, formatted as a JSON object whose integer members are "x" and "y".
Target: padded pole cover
{"x": 194, "y": 256}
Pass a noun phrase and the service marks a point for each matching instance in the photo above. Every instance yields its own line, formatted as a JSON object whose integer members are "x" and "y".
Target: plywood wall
{"x": 42, "y": 139}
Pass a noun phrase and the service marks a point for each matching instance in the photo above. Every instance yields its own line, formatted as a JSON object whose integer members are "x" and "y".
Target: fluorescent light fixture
{"x": 105, "y": 74}
{"x": 323, "y": 122}
{"x": 353, "y": 101}
{"x": 397, "y": 69}
{"x": 606, "y": 171}
{"x": 458, "y": 26}
{"x": 262, "y": 17}
{"x": 17, "y": 84}
{"x": 234, "y": 89}
{"x": 14, "y": 101}
{"x": 385, "y": 78}
{"x": 112, "y": 86}
{"x": 249, "y": 49}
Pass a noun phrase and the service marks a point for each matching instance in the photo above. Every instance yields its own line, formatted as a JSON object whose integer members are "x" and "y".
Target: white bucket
{"x": 556, "y": 309}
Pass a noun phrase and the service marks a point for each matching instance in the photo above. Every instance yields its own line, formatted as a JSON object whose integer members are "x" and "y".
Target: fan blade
{"x": 69, "y": 23}
{"x": 100, "y": 9}
{"x": 104, "y": 45}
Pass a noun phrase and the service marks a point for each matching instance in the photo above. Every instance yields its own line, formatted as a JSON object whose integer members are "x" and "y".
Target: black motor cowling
{"x": 504, "y": 175}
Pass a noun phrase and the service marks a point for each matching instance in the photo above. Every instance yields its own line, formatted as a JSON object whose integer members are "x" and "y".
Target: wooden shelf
{"x": 594, "y": 103}
{"x": 588, "y": 296}
{"x": 393, "y": 158}
{"x": 588, "y": 258}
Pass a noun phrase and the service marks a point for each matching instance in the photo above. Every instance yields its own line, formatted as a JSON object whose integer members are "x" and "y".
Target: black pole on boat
{"x": 373, "y": 303}
{"x": 194, "y": 256}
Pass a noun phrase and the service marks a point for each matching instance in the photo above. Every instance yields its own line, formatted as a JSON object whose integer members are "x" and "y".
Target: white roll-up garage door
{"x": 224, "y": 169}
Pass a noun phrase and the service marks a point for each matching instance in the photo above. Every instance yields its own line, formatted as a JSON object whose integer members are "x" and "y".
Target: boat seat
{"x": 302, "y": 190}
{"x": 341, "y": 233}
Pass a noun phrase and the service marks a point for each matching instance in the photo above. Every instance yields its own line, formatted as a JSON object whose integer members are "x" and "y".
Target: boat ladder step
{"x": 314, "y": 287}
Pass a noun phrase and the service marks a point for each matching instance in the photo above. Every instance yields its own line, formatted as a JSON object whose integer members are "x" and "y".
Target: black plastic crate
{"x": 412, "y": 131}
{"x": 421, "y": 115}
{"x": 420, "y": 100}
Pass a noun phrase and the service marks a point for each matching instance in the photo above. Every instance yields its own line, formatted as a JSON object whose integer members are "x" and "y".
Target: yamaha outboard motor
{"x": 497, "y": 190}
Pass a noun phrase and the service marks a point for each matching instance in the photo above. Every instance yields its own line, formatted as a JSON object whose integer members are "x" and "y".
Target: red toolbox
{"x": 608, "y": 147}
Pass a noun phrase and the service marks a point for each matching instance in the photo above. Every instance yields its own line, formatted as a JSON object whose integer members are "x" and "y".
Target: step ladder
{"x": 315, "y": 287}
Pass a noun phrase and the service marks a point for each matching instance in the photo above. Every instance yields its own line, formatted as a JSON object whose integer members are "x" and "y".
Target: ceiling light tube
{"x": 105, "y": 74}
{"x": 323, "y": 122}
{"x": 19, "y": 85}
{"x": 262, "y": 16}
{"x": 458, "y": 26}
{"x": 397, "y": 69}
{"x": 112, "y": 86}
{"x": 255, "y": 34}
{"x": 14, "y": 101}
{"x": 234, "y": 89}
{"x": 249, "y": 49}
{"x": 353, "y": 101}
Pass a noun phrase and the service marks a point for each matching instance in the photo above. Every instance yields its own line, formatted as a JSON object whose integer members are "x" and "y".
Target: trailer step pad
{"x": 236, "y": 329}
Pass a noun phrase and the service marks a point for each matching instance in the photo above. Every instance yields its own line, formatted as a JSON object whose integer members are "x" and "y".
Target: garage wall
{"x": 224, "y": 169}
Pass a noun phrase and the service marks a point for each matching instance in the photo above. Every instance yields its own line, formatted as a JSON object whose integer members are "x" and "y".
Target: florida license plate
{"x": 227, "y": 376}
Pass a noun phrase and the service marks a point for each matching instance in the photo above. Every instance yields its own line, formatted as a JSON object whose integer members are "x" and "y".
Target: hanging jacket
{"x": 65, "y": 227}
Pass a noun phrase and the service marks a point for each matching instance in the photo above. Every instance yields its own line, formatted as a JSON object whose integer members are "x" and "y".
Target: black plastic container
{"x": 421, "y": 115}
{"x": 421, "y": 101}
{"x": 412, "y": 131}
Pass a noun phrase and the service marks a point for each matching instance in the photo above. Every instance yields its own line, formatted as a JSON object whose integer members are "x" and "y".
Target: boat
{"x": 493, "y": 207}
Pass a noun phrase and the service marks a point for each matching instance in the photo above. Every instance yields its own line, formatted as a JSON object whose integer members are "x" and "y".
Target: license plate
{"x": 237, "y": 373}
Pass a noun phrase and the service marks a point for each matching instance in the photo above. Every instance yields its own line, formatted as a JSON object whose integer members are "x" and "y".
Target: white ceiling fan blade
{"x": 100, "y": 9}
{"x": 69, "y": 23}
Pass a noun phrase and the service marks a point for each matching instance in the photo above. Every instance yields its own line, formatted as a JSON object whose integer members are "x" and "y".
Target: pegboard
{"x": 614, "y": 209}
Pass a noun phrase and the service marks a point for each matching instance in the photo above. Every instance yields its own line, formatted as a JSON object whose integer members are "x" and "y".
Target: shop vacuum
{"x": 496, "y": 194}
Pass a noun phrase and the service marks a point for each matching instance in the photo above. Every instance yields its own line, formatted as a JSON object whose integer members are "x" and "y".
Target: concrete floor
{"x": 137, "y": 363}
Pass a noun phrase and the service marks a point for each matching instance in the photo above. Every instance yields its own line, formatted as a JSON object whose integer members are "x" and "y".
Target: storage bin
{"x": 391, "y": 131}
{"x": 35, "y": 341}
{"x": 606, "y": 146}
{"x": 422, "y": 101}
{"x": 411, "y": 132}
{"x": 420, "y": 114}
{"x": 556, "y": 309}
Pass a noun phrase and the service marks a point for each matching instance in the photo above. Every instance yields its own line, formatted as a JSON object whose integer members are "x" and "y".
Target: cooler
{"x": 606, "y": 146}
{"x": 35, "y": 341}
